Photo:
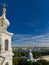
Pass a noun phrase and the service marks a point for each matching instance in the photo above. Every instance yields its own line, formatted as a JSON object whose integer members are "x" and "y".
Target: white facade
{"x": 5, "y": 41}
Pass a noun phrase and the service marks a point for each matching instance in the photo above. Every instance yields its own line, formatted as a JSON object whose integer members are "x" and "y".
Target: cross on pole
{"x": 4, "y": 11}
{"x": 4, "y": 5}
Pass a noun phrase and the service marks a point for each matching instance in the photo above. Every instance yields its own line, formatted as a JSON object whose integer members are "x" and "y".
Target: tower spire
{"x": 4, "y": 9}
{"x": 3, "y": 12}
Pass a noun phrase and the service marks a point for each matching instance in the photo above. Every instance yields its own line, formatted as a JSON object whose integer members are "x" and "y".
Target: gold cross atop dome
{"x": 4, "y": 5}
{"x": 3, "y": 11}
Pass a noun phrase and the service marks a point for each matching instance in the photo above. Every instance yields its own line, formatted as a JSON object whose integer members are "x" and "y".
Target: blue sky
{"x": 29, "y": 21}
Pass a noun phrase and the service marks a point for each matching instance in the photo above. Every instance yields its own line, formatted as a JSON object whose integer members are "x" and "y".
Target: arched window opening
{"x": 6, "y": 45}
{"x": 7, "y": 63}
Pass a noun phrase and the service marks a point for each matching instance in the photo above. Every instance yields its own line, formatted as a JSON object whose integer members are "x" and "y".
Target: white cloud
{"x": 34, "y": 23}
{"x": 29, "y": 40}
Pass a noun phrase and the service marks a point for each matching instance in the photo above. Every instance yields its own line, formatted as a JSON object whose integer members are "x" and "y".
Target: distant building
{"x": 30, "y": 57}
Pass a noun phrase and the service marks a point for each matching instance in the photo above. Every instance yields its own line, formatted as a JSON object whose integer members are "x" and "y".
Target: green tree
{"x": 21, "y": 62}
{"x": 28, "y": 63}
{"x": 43, "y": 62}
{"x": 36, "y": 63}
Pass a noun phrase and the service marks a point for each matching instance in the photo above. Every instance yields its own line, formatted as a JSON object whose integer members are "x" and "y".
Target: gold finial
{"x": 4, "y": 9}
